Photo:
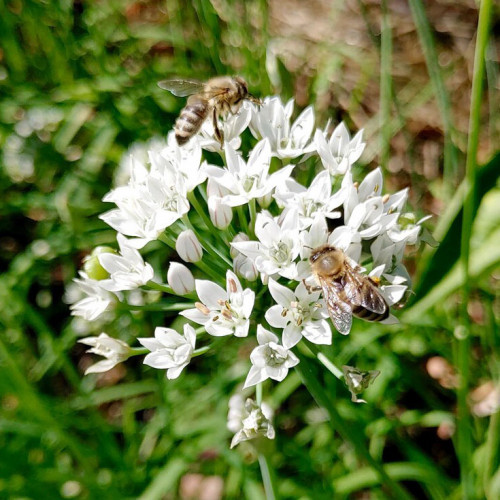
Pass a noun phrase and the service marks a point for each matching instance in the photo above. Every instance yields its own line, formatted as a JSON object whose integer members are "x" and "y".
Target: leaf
{"x": 439, "y": 262}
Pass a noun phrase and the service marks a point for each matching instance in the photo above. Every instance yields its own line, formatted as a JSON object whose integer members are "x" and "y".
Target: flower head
{"x": 115, "y": 351}
{"x": 269, "y": 359}
{"x": 170, "y": 350}
{"x": 248, "y": 420}
{"x": 223, "y": 312}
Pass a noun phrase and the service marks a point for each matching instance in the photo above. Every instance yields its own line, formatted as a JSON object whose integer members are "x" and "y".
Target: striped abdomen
{"x": 191, "y": 119}
{"x": 362, "y": 312}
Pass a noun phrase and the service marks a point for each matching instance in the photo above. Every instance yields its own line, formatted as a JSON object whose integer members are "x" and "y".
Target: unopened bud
{"x": 93, "y": 267}
{"x": 188, "y": 247}
{"x": 265, "y": 201}
{"x": 239, "y": 237}
{"x": 221, "y": 215}
{"x": 180, "y": 278}
{"x": 244, "y": 267}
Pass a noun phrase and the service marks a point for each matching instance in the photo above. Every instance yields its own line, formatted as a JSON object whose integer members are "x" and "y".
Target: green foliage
{"x": 87, "y": 71}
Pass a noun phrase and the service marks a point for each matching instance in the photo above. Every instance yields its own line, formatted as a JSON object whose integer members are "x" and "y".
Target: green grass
{"x": 136, "y": 435}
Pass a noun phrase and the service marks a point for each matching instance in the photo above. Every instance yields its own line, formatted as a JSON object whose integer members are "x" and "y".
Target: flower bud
{"x": 188, "y": 247}
{"x": 93, "y": 267}
{"x": 221, "y": 215}
{"x": 180, "y": 278}
{"x": 239, "y": 237}
{"x": 265, "y": 201}
{"x": 215, "y": 189}
{"x": 244, "y": 267}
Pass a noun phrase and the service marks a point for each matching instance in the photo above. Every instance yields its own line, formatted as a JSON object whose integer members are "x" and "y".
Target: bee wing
{"x": 362, "y": 292}
{"x": 340, "y": 312}
{"x": 182, "y": 88}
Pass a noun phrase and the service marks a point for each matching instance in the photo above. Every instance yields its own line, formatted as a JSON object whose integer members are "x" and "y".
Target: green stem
{"x": 347, "y": 431}
{"x": 205, "y": 218}
{"x": 138, "y": 351}
{"x": 258, "y": 393}
{"x": 243, "y": 220}
{"x": 253, "y": 217}
{"x": 200, "y": 351}
{"x": 213, "y": 251}
{"x": 267, "y": 477}
{"x": 464, "y": 424}
{"x": 159, "y": 306}
{"x": 385, "y": 86}
{"x": 161, "y": 287}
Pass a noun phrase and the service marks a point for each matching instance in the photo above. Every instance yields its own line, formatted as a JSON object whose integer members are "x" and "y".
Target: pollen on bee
{"x": 202, "y": 308}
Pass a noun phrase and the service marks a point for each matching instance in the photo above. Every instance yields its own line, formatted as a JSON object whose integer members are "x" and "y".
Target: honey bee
{"x": 346, "y": 291}
{"x": 218, "y": 96}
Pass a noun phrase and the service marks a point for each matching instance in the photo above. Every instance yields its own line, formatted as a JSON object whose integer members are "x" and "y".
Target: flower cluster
{"x": 245, "y": 226}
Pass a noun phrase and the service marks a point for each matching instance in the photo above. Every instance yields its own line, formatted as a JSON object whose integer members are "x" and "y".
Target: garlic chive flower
{"x": 248, "y": 420}
{"x": 269, "y": 359}
{"x": 223, "y": 312}
{"x": 114, "y": 350}
{"x": 127, "y": 271}
{"x": 170, "y": 350}
{"x": 244, "y": 215}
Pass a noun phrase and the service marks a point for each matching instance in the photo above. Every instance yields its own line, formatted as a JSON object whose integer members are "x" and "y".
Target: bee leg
{"x": 311, "y": 288}
{"x": 218, "y": 133}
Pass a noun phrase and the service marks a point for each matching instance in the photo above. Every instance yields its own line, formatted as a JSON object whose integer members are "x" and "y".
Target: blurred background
{"x": 78, "y": 87}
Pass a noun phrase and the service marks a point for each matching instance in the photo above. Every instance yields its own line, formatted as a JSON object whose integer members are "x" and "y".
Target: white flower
{"x": 250, "y": 180}
{"x": 272, "y": 121}
{"x": 278, "y": 245}
{"x": 316, "y": 199}
{"x": 126, "y": 271}
{"x": 115, "y": 351}
{"x": 340, "y": 151}
{"x": 151, "y": 202}
{"x": 188, "y": 247}
{"x": 232, "y": 127}
{"x": 97, "y": 299}
{"x": 184, "y": 159}
{"x": 248, "y": 420}
{"x": 170, "y": 350}
{"x": 298, "y": 314}
{"x": 180, "y": 278}
{"x": 223, "y": 312}
{"x": 269, "y": 359}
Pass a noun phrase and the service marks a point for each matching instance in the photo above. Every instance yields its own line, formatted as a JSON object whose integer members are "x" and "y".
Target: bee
{"x": 218, "y": 96}
{"x": 346, "y": 291}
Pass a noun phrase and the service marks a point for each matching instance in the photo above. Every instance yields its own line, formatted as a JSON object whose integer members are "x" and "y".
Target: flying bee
{"x": 346, "y": 291}
{"x": 218, "y": 96}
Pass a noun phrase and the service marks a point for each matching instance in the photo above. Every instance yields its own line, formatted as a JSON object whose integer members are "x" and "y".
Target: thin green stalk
{"x": 213, "y": 251}
{"x": 464, "y": 430}
{"x": 253, "y": 217}
{"x": 258, "y": 393}
{"x": 385, "y": 86}
{"x": 442, "y": 97}
{"x": 205, "y": 218}
{"x": 347, "y": 431}
{"x": 267, "y": 477}
{"x": 176, "y": 306}
{"x": 243, "y": 220}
